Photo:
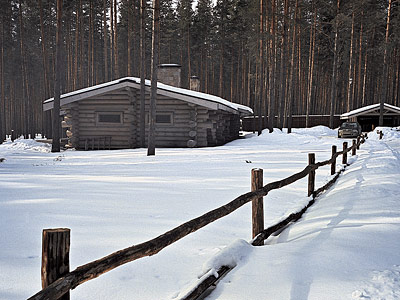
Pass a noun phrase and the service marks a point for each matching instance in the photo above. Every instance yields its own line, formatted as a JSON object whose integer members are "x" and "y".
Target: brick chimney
{"x": 195, "y": 83}
{"x": 170, "y": 74}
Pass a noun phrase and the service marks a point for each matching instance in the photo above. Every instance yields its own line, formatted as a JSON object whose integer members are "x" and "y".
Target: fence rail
{"x": 94, "y": 269}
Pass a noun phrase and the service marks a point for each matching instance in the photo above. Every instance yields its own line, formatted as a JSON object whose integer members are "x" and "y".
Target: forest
{"x": 280, "y": 57}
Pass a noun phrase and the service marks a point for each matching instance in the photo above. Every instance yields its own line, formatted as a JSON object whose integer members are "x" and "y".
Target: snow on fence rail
{"x": 57, "y": 281}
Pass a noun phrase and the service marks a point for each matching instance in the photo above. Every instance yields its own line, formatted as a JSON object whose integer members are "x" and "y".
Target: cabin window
{"x": 163, "y": 118}
{"x": 109, "y": 118}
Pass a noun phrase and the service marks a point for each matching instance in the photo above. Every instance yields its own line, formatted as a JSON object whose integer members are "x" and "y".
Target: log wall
{"x": 192, "y": 125}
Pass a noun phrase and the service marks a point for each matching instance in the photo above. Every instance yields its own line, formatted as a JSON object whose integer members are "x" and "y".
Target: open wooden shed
{"x": 368, "y": 116}
{"x": 106, "y": 116}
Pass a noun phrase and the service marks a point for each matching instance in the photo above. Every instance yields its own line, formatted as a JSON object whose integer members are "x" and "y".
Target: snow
{"x": 345, "y": 247}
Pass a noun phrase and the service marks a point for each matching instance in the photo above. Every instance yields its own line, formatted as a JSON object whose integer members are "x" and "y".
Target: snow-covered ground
{"x": 346, "y": 247}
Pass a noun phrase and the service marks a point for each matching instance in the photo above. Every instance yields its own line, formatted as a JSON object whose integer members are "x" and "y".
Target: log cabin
{"x": 107, "y": 116}
{"x": 368, "y": 116}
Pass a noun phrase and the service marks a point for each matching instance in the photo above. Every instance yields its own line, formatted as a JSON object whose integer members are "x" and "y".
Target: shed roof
{"x": 202, "y": 99}
{"x": 372, "y": 110}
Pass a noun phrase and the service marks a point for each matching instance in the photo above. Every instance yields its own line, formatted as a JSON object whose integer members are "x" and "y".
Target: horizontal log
{"x": 117, "y": 131}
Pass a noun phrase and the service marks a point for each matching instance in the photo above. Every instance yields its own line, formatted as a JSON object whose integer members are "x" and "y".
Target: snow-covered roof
{"x": 199, "y": 98}
{"x": 371, "y": 110}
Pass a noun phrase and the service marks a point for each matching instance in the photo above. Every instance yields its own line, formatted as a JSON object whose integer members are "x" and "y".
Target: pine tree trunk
{"x": 116, "y": 63}
{"x": 360, "y": 65}
{"x": 385, "y": 66}
{"x": 89, "y": 47}
{"x": 334, "y": 70}
{"x": 154, "y": 65}
{"x": 112, "y": 40}
{"x": 44, "y": 53}
{"x": 221, "y": 64}
{"x": 57, "y": 82}
{"x": 311, "y": 68}
{"x": 3, "y": 131}
{"x": 26, "y": 106}
{"x": 282, "y": 80}
{"x": 81, "y": 77}
{"x": 105, "y": 37}
{"x": 188, "y": 54}
{"x": 261, "y": 96}
{"x": 142, "y": 71}
{"x": 129, "y": 68}
{"x": 77, "y": 30}
{"x": 292, "y": 70}
{"x": 350, "y": 79}
{"x": 271, "y": 109}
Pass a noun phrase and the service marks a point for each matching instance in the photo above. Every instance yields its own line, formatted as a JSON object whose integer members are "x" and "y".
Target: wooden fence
{"x": 54, "y": 288}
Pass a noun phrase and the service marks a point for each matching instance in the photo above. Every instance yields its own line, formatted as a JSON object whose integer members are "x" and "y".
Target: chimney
{"x": 169, "y": 74}
{"x": 195, "y": 83}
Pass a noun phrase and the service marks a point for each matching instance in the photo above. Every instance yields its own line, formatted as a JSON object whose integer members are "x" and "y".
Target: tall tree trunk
{"x": 272, "y": 101}
{"x": 360, "y": 54}
{"x": 77, "y": 30}
{"x": 261, "y": 96}
{"x": 142, "y": 116}
{"x": 116, "y": 63}
{"x": 3, "y": 129}
{"x": 154, "y": 64}
{"x": 188, "y": 54}
{"x": 26, "y": 97}
{"x": 385, "y": 66}
{"x": 282, "y": 80}
{"x": 129, "y": 68}
{"x": 105, "y": 36}
{"x": 363, "y": 91}
{"x": 350, "y": 79}
{"x": 91, "y": 69}
{"x": 221, "y": 62}
{"x": 81, "y": 47}
{"x": 311, "y": 69}
{"x": 334, "y": 69}
{"x": 292, "y": 71}
{"x": 89, "y": 47}
{"x": 44, "y": 53}
{"x": 57, "y": 82}
{"x": 112, "y": 40}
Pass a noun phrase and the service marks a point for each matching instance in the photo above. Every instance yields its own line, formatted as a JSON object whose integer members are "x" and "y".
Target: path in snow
{"x": 346, "y": 247}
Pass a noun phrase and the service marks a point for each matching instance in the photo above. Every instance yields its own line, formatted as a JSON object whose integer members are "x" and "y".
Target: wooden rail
{"x": 96, "y": 268}
{"x": 211, "y": 280}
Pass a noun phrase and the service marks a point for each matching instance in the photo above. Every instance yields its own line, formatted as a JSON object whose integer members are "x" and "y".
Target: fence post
{"x": 55, "y": 256}
{"x": 311, "y": 176}
{"x": 333, "y": 165}
{"x": 358, "y": 143}
{"x": 344, "y": 156}
{"x": 380, "y": 134}
{"x": 257, "y": 204}
{"x": 13, "y": 136}
{"x": 354, "y": 148}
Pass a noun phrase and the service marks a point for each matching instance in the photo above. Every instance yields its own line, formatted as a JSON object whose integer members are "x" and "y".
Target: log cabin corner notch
{"x": 106, "y": 116}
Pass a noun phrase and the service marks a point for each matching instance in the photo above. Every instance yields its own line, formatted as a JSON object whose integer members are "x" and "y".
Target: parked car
{"x": 349, "y": 130}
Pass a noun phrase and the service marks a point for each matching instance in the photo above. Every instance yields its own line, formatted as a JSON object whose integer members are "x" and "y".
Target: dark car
{"x": 349, "y": 130}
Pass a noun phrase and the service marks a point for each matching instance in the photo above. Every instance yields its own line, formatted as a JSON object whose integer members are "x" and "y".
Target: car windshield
{"x": 349, "y": 125}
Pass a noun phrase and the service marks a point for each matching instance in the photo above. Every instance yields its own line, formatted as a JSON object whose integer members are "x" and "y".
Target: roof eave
{"x": 131, "y": 82}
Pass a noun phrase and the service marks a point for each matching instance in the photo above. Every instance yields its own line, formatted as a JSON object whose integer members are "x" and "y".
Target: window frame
{"x": 113, "y": 113}
{"x": 169, "y": 113}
